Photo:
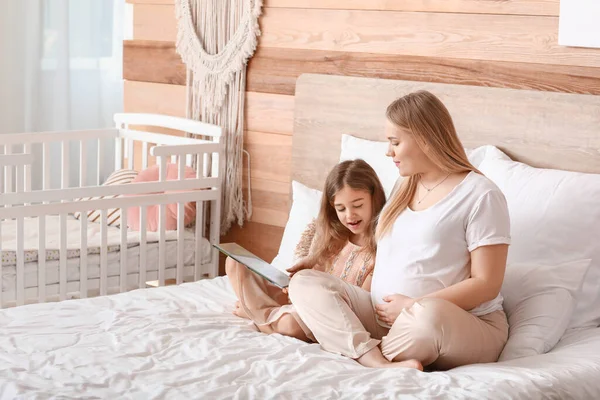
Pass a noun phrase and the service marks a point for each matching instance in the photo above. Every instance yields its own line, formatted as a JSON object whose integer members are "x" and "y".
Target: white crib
{"x": 77, "y": 258}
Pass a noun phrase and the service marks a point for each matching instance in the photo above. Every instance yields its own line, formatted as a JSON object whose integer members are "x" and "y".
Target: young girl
{"x": 442, "y": 244}
{"x": 343, "y": 246}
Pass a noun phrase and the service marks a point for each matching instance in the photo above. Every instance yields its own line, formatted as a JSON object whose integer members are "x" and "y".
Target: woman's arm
{"x": 488, "y": 264}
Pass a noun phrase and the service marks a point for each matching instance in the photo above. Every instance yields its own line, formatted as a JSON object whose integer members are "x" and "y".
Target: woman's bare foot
{"x": 374, "y": 359}
{"x": 239, "y": 311}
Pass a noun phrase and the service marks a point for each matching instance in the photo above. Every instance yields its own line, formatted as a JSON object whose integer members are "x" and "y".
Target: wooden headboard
{"x": 542, "y": 129}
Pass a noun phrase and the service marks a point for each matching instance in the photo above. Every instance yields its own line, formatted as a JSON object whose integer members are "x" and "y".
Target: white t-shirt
{"x": 429, "y": 250}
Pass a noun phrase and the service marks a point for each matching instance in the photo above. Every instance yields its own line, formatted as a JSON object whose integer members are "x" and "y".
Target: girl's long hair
{"x": 331, "y": 235}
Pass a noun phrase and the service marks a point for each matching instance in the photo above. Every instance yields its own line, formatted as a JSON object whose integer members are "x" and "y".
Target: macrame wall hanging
{"x": 215, "y": 39}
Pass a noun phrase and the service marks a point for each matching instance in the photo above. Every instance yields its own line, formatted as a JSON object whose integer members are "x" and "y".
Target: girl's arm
{"x": 488, "y": 264}
{"x": 367, "y": 283}
{"x": 304, "y": 263}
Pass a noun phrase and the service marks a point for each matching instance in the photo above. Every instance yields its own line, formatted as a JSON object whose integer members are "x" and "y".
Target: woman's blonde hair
{"x": 428, "y": 120}
{"x": 331, "y": 235}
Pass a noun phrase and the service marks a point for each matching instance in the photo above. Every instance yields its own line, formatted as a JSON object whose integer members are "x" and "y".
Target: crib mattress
{"x": 182, "y": 342}
{"x": 73, "y": 240}
{"x": 9, "y": 273}
{"x": 52, "y": 265}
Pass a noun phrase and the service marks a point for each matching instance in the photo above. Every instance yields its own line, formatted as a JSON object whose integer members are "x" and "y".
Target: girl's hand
{"x": 394, "y": 304}
{"x": 302, "y": 264}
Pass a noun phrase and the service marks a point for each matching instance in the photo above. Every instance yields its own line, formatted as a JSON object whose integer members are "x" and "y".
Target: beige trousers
{"x": 433, "y": 331}
{"x": 264, "y": 303}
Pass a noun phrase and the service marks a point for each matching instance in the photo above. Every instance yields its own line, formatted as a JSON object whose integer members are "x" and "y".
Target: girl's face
{"x": 404, "y": 150}
{"x": 354, "y": 209}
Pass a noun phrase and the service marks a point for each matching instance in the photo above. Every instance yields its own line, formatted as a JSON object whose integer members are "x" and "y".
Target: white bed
{"x": 183, "y": 342}
{"x": 180, "y": 342}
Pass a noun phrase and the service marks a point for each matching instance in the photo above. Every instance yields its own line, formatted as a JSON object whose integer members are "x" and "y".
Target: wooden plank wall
{"x": 510, "y": 43}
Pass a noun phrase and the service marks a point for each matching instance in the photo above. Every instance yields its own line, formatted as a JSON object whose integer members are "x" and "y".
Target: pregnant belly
{"x": 411, "y": 287}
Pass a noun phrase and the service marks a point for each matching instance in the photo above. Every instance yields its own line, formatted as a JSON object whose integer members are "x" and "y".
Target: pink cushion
{"x": 150, "y": 174}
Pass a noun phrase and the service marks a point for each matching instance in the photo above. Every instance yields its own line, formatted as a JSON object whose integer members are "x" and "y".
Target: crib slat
{"x": 215, "y": 213}
{"x": 103, "y": 251}
{"x": 206, "y": 165}
{"x": 130, "y": 155}
{"x": 20, "y": 261}
{"x": 143, "y": 230}
{"x": 65, "y": 166}
{"x": 214, "y": 236}
{"x": 82, "y": 164}
{"x": 42, "y": 259}
{"x": 20, "y": 176}
{"x": 123, "y": 249}
{"x": 118, "y": 153}
{"x": 199, "y": 228}
{"x": 198, "y": 272}
{"x": 144, "y": 155}
{"x": 180, "y": 225}
{"x": 162, "y": 214}
{"x": 63, "y": 257}
{"x": 200, "y": 165}
{"x": 27, "y": 148}
{"x": 8, "y": 173}
{"x": 180, "y": 241}
{"x": 83, "y": 252}
{"x": 128, "y": 148}
{"x": 46, "y": 164}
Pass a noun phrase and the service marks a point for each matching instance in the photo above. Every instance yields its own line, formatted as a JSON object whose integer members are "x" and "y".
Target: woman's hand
{"x": 393, "y": 306}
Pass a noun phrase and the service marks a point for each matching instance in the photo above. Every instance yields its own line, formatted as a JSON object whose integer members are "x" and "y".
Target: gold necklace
{"x": 428, "y": 189}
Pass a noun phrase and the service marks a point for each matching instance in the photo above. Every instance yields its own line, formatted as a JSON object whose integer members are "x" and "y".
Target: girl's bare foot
{"x": 374, "y": 359}
{"x": 239, "y": 311}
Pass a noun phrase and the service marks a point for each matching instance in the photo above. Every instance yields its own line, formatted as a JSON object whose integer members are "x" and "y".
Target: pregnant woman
{"x": 442, "y": 243}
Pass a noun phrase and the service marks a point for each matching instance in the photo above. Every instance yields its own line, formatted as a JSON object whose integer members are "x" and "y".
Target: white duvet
{"x": 183, "y": 343}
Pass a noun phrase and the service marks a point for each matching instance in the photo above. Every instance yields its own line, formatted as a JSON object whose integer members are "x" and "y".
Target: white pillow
{"x": 555, "y": 218}
{"x": 539, "y": 301}
{"x": 478, "y": 154}
{"x": 373, "y": 152}
{"x": 305, "y": 208}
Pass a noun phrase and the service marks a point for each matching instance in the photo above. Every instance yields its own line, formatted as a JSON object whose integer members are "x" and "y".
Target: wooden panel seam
{"x": 514, "y": 7}
{"x": 273, "y": 70}
{"x": 531, "y": 39}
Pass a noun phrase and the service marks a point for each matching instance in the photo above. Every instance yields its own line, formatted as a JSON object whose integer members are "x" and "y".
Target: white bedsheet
{"x": 183, "y": 343}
